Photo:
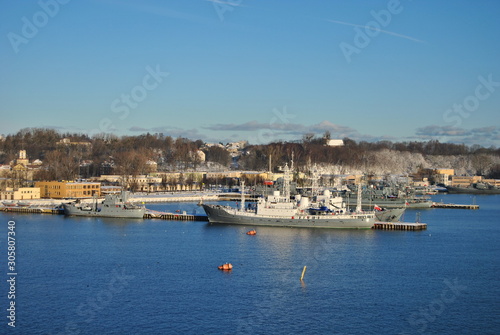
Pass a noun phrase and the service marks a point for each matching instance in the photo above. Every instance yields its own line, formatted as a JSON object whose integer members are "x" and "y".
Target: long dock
{"x": 455, "y": 206}
{"x": 399, "y": 226}
{"x": 32, "y": 210}
{"x": 174, "y": 216}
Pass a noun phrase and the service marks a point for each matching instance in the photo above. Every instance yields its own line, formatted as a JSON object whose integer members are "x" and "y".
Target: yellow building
{"x": 65, "y": 189}
{"x": 223, "y": 174}
{"x": 442, "y": 176}
{"x": 446, "y": 171}
{"x": 352, "y": 179}
{"x": 22, "y": 193}
{"x": 464, "y": 181}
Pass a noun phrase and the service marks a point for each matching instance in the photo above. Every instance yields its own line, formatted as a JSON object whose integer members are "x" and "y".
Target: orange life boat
{"x": 225, "y": 267}
{"x": 252, "y": 232}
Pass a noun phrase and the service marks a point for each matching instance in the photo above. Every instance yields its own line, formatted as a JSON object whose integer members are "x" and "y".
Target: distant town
{"x": 42, "y": 163}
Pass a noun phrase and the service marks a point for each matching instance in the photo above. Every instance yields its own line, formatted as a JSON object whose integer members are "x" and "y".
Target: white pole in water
{"x": 303, "y": 273}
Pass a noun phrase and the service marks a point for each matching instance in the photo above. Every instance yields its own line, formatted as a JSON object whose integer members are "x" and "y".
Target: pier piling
{"x": 399, "y": 226}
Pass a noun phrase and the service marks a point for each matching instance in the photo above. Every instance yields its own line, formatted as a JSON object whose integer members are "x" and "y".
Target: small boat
{"x": 225, "y": 267}
{"x": 9, "y": 203}
{"x": 251, "y": 232}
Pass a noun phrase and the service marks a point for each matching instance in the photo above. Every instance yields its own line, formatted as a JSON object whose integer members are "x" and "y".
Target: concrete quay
{"x": 455, "y": 206}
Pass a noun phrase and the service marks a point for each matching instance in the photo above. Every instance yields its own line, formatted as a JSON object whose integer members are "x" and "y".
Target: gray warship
{"x": 476, "y": 188}
{"x": 115, "y": 205}
{"x": 389, "y": 214}
{"x": 388, "y": 197}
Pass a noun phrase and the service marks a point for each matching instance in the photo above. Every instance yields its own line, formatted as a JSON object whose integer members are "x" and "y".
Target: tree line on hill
{"x": 84, "y": 156}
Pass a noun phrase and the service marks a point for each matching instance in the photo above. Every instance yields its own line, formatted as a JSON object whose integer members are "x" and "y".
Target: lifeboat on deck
{"x": 252, "y": 232}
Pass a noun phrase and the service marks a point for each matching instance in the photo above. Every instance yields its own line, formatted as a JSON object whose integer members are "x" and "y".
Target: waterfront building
{"x": 156, "y": 182}
{"x": 68, "y": 189}
{"x": 22, "y": 193}
{"x": 464, "y": 181}
{"x": 436, "y": 175}
{"x": 110, "y": 189}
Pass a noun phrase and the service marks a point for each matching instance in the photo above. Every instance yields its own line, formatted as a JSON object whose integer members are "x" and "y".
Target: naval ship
{"x": 476, "y": 188}
{"x": 278, "y": 210}
{"x": 114, "y": 205}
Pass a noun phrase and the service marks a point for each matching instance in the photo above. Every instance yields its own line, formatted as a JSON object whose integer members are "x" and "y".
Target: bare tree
{"x": 129, "y": 165}
{"x": 482, "y": 163}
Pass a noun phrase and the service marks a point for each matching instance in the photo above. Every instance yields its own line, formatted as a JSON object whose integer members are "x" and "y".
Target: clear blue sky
{"x": 256, "y": 70}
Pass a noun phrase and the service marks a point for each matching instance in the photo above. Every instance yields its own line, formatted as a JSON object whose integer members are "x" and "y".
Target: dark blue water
{"x": 106, "y": 276}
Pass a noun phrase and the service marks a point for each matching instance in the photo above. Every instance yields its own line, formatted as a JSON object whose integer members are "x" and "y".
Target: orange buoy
{"x": 252, "y": 232}
{"x": 225, "y": 267}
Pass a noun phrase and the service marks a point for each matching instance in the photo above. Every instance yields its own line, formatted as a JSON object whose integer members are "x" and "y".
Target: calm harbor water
{"x": 111, "y": 276}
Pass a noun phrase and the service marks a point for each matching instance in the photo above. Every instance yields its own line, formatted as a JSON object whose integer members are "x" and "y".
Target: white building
{"x": 334, "y": 143}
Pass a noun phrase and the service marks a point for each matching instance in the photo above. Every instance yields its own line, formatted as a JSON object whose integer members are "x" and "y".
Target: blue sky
{"x": 226, "y": 70}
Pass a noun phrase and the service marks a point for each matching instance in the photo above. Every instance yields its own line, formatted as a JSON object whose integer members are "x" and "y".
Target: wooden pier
{"x": 399, "y": 226}
{"x": 456, "y": 206}
{"x": 33, "y": 210}
{"x": 176, "y": 217}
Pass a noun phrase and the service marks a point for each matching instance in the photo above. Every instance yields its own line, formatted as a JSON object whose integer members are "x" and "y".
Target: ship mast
{"x": 286, "y": 182}
{"x": 314, "y": 180}
{"x": 358, "y": 205}
{"x": 242, "y": 208}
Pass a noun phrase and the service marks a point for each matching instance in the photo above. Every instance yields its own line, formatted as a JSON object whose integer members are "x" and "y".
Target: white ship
{"x": 281, "y": 211}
